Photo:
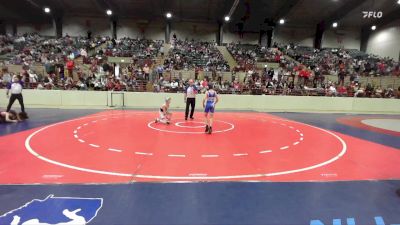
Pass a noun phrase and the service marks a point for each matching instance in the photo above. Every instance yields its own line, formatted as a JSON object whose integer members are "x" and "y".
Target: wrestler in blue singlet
{"x": 210, "y": 104}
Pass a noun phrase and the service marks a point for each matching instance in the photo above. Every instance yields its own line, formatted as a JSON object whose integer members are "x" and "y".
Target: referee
{"x": 190, "y": 99}
{"x": 16, "y": 93}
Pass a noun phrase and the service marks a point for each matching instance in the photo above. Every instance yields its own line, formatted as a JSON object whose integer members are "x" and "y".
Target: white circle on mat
{"x": 178, "y": 124}
{"x": 151, "y": 176}
{"x": 150, "y": 125}
{"x": 386, "y": 124}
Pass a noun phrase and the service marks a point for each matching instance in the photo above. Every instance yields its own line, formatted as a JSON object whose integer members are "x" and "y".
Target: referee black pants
{"x": 12, "y": 100}
{"x": 192, "y": 103}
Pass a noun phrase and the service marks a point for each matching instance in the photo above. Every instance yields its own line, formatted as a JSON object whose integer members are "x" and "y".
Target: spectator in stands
{"x": 146, "y": 71}
{"x": 236, "y": 86}
{"x": 219, "y": 76}
{"x": 174, "y": 86}
{"x": 83, "y": 53}
{"x": 341, "y": 76}
{"x": 6, "y": 76}
{"x": 358, "y": 91}
{"x": 162, "y": 50}
{"x": 189, "y": 54}
{"x": 304, "y": 75}
{"x": 203, "y": 85}
{"x": 110, "y": 84}
{"x": 369, "y": 90}
{"x": 70, "y": 67}
{"x": 331, "y": 91}
{"x": 379, "y": 92}
{"x": 270, "y": 74}
{"x": 200, "y": 56}
{"x": 106, "y": 67}
{"x": 98, "y": 85}
{"x": 160, "y": 71}
{"x": 49, "y": 66}
{"x": 117, "y": 85}
{"x": 397, "y": 94}
{"x": 342, "y": 91}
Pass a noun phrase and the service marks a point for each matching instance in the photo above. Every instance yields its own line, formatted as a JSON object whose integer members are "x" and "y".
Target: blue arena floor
{"x": 226, "y": 203}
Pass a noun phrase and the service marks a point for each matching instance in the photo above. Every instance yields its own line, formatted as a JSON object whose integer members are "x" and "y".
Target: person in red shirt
{"x": 304, "y": 74}
{"x": 277, "y": 58}
{"x": 236, "y": 85}
{"x": 117, "y": 86}
{"x": 342, "y": 91}
{"x": 110, "y": 84}
{"x": 381, "y": 67}
{"x": 396, "y": 70}
{"x": 205, "y": 83}
{"x": 70, "y": 67}
{"x": 341, "y": 65}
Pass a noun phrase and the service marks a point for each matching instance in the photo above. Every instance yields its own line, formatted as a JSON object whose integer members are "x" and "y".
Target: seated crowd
{"x": 188, "y": 55}
{"x": 280, "y": 82}
{"x": 300, "y": 70}
{"x": 136, "y": 48}
{"x": 247, "y": 55}
{"x": 29, "y": 49}
{"x": 102, "y": 76}
{"x": 334, "y": 61}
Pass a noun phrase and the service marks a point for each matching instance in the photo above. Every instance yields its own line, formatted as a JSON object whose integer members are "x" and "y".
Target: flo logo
{"x": 372, "y": 14}
{"x": 54, "y": 210}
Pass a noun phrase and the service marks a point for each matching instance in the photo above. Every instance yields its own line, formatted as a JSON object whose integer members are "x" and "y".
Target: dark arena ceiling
{"x": 248, "y": 15}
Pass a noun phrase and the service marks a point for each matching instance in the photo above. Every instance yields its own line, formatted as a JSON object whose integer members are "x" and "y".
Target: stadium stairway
{"x": 159, "y": 60}
{"x": 167, "y": 47}
{"x": 227, "y": 56}
{"x": 85, "y": 68}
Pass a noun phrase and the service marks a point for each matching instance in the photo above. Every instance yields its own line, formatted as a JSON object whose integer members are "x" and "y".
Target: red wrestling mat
{"x": 124, "y": 146}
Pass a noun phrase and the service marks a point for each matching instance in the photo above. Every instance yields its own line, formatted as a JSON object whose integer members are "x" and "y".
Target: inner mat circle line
{"x": 191, "y": 132}
{"x": 32, "y": 151}
{"x": 178, "y": 124}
